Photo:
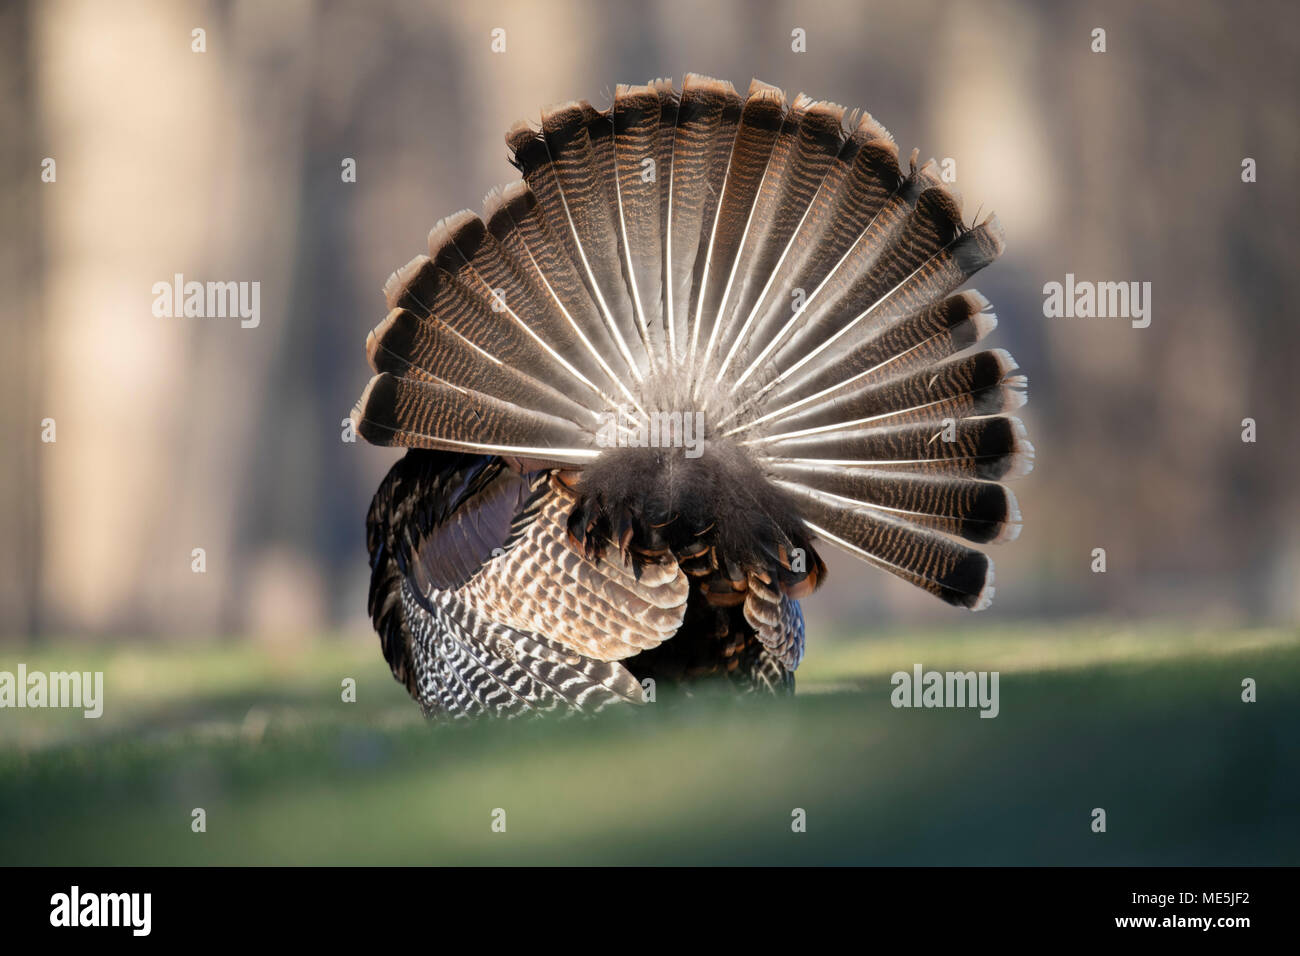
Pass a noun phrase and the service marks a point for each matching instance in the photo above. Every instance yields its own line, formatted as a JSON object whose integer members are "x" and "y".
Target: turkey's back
{"x": 484, "y": 605}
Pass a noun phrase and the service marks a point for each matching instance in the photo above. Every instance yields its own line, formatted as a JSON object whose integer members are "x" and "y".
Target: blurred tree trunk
{"x": 22, "y": 358}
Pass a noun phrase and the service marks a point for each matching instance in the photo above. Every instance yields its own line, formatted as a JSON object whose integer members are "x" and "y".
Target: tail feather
{"x": 576, "y": 223}
{"x": 963, "y": 387}
{"x": 950, "y": 571}
{"x": 986, "y": 448}
{"x": 482, "y": 267}
{"x": 753, "y": 260}
{"x": 936, "y": 277}
{"x": 429, "y": 350}
{"x": 707, "y": 117}
{"x": 914, "y": 342}
{"x": 417, "y": 414}
{"x": 901, "y": 233}
{"x": 580, "y": 143}
{"x": 636, "y": 116}
{"x": 979, "y": 511}
{"x": 898, "y": 242}
{"x": 806, "y": 149}
{"x": 447, "y": 286}
{"x": 515, "y": 221}
{"x": 863, "y": 178}
{"x": 761, "y": 120}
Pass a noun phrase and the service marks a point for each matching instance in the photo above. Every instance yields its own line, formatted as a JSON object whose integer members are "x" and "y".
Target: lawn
{"x": 1148, "y": 724}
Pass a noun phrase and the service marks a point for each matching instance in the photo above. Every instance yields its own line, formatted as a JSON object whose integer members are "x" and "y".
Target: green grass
{"x": 1147, "y": 724}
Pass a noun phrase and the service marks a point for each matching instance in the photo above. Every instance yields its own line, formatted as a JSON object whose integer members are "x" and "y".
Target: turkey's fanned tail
{"x": 752, "y": 259}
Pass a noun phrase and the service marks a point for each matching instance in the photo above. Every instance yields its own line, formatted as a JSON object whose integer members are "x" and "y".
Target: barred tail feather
{"x": 763, "y": 261}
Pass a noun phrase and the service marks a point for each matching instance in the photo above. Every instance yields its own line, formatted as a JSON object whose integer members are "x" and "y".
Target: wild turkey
{"x": 686, "y": 264}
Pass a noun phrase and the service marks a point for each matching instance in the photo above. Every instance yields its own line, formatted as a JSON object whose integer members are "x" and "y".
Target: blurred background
{"x": 1120, "y": 690}
{"x": 176, "y": 433}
